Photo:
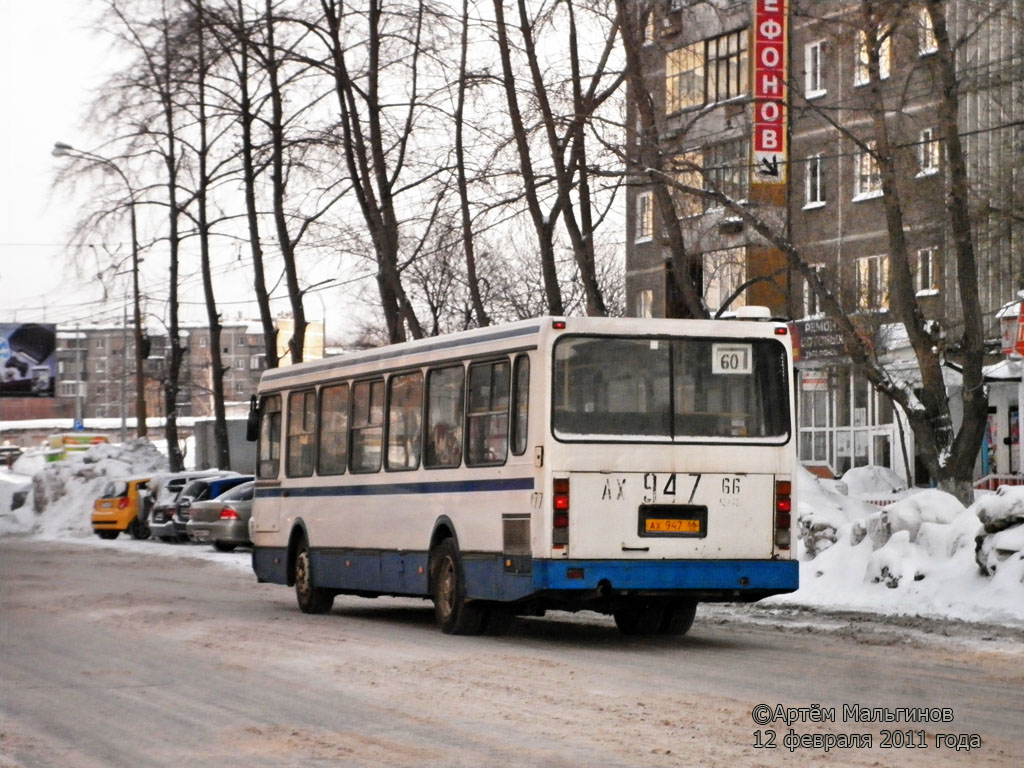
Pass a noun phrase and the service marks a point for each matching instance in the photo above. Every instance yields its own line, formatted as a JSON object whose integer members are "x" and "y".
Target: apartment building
{"x": 699, "y": 61}
{"x": 96, "y": 368}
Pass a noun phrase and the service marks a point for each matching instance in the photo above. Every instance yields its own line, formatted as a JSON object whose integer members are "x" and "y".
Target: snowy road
{"x": 120, "y": 657}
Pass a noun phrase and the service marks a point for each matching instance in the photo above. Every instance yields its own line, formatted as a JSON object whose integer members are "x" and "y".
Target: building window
{"x": 644, "y": 216}
{"x": 815, "y": 182}
{"x": 861, "y": 74}
{"x": 726, "y": 168}
{"x": 724, "y": 273}
{"x": 706, "y": 72}
{"x": 684, "y": 77}
{"x": 926, "y": 42}
{"x": 101, "y": 366}
{"x": 645, "y": 303}
{"x": 812, "y": 304}
{"x": 872, "y": 282}
{"x": 204, "y": 342}
{"x": 928, "y": 152}
{"x": 814, "y": 70}
{"x": 686, "y": 172}
{"x": 926, "y": 278}
{"x": 727, "y": 66}
{"x": 868, "y": 177}
{"x": 101, "y": 344}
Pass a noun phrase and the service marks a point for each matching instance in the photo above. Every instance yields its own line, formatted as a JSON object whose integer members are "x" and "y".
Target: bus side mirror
{"x": 252, "y": 424}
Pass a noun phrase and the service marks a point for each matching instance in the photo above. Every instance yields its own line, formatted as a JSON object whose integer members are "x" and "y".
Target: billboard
{"x": 28, "y": 359}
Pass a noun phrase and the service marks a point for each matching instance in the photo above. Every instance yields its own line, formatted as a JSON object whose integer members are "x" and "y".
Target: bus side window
{"x": 367, "y": 425}
{"x": 270, "y": 437}
{"x": 301, "y": 431}
{"x": 444, "y": 417}
{"x": 405, "y": 424}
{"x": 520, "y": 404}
{"x": 332, "y": 453}
{"x": 487, "y": 414}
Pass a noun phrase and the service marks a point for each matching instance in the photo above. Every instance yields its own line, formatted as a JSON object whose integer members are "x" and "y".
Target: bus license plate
{"x": 673, "y": 520}
{"x": 662, "y": 525}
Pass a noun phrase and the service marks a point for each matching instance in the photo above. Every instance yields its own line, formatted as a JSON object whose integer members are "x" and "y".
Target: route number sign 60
{"x": 731, "y": 359}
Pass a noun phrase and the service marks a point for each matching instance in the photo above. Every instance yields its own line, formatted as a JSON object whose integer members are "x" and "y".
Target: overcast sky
{"x": 50, "y": 62}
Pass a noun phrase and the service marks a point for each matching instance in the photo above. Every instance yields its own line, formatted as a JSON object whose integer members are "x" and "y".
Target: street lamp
{"x": 66, "y": 150}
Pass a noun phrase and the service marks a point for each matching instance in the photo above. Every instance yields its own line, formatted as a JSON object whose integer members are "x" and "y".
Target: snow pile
{"x": 873, "y": 481}
{"x": 918, "y": 556}
{"x": 60, "y": 501}
{"x": 823, "y": 513}
{"x": 1002, "y": 517}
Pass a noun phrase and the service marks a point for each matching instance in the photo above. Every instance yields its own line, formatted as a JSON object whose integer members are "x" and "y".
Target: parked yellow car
{"x": 117, "y": 509}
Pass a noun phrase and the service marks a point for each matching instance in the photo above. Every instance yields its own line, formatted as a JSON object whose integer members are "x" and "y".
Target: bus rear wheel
{"x": 311, "y": 598}
{"x": 455, "y": 614}
{"x": 678, "y": 618}
{"x": 639, "y": 618}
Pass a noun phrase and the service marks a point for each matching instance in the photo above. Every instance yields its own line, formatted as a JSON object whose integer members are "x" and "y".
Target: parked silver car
{"x": 224, "y": 521}
{"x": 158, "y": 502}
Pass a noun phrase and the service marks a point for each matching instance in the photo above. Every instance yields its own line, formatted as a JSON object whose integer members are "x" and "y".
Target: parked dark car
{"x": 169, "y": 521}
{"x": 224, "y": 521}
{"x": 164, "y": 488}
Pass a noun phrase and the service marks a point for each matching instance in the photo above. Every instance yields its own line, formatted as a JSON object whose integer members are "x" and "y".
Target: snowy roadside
{"x": 921, "y": 557}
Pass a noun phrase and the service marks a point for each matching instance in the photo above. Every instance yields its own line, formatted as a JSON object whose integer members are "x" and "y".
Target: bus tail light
{"x": 783, "y": 513}
{"x": 560, "y": 519}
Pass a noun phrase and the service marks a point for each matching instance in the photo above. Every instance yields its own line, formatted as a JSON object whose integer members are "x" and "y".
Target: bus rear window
{"x": 657, "y": 390}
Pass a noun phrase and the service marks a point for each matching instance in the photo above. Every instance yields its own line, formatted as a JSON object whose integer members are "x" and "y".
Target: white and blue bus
{"x": 631, "y": 467}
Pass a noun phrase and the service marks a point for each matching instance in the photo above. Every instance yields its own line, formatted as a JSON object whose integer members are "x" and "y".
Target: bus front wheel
{"x": 311, "y": 598}
{"x": 454, "y": 613}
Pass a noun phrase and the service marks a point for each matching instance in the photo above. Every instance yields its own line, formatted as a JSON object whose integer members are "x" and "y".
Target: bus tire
{"x": 678, "y": 617}
{"x": 639, "y": 618}
{"x": 311, "y": 598}
{"x": 455, "y": 615}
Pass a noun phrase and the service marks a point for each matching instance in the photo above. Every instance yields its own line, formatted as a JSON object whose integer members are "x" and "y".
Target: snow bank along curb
{"x": 923, "y": 555}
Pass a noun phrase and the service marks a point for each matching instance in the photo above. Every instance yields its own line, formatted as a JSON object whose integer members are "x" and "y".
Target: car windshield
{"x": 657, "y": 390}
{"x": 194, "y": 489}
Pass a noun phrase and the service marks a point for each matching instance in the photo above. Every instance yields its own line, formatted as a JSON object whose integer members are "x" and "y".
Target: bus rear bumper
{"x": 723, "y": 580}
